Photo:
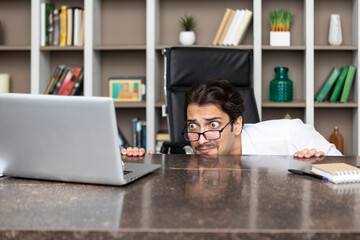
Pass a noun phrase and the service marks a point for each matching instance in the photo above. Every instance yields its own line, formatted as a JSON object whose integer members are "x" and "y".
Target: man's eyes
{"x": 212, "y": 125}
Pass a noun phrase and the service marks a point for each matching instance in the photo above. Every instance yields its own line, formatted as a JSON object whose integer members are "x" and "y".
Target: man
{"x": 214, "y": 125}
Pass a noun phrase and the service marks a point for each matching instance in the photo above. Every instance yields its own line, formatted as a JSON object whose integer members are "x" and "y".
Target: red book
{"x": 65, "y": 82}
{"x": 74, "y": 77}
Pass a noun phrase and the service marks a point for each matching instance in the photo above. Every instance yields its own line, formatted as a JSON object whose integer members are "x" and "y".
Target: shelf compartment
{"x": 323, "y": 9}
{"x": 15, "y": 22}
{"x": 297, "y": 29}
{"x": 121, "y": 64}
{"x": 123, "y": 22}
{"x": 208, "y": 15}
{"x": 294, "y": 60}
{"x": 17, "y": 64}
{"x": 280, "y": 113}
{"x": 326, "y": 119}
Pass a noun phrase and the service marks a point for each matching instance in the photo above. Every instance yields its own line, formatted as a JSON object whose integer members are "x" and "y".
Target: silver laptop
{"x": 63, "y": 138}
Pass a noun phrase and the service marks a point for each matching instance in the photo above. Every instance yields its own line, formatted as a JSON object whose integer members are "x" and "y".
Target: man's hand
{"x": 134, "y": 152}
{"x": 306, "y": 153}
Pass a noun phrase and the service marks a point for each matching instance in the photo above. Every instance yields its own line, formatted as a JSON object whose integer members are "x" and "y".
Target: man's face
{"x": 211, "y": 117}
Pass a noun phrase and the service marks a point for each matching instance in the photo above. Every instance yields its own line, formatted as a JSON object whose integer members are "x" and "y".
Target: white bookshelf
{"x": 310, "y": 57}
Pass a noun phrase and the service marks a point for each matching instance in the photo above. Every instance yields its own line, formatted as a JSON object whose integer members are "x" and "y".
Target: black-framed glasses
{"x": 208, "y": 135}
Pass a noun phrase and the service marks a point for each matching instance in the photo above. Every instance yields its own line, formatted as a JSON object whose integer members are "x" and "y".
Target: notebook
{"x": 63, "y": 138}
{"x": 337, "y": 172}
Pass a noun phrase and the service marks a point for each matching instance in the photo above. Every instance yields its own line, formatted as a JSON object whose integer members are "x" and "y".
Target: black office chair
{"x": 186, "y": 65}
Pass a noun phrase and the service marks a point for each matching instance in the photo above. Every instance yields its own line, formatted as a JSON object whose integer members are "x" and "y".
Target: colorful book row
{"x": 61, "y": 27}
{"x": 66, "y": 81}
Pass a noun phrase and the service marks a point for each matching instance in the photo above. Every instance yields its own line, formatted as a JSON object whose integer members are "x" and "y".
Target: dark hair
{"x": 216, "y": 91}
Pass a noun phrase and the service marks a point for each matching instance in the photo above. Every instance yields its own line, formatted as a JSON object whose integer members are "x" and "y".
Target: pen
{"x": 298, "y": 172}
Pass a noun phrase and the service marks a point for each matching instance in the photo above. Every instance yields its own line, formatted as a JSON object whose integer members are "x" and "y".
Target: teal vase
{"x": 281, "y": 87}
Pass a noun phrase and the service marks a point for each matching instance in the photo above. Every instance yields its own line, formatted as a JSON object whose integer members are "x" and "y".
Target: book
{"x": 60, "y": 81}
{"x": 54, "y": 79}
{"x": 56, "y": 35}
{"x": 241, "y": 30}
{"x": 236, "y": 26}
{"x": 327, "y": 85}
{"x": 231, "y": 27}
{"x": 337, "y": 172}
{"x": 226, "y": 27}
{"x": 338, "y": 85}
{"x": 77, "y": 25}
{"x": 222, "y": 26}
{"x": 347, "y": 85}
{"x": 78, "y": 87}
{"x": 69, "y": 26}
{"x": 81, "y": 37}
{"x": 74, "y": 77}
{"x": 63, "y": 25}
{"x": 45, "y": 9}
{"x": 50, "y": 31}
{"x": 134, "y": 138}
{"x": 65, "y": 82}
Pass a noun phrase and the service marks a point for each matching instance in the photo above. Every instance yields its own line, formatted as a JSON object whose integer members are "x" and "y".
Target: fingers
{"x": 133, "y": 152}
{"x": 306, "y": 153}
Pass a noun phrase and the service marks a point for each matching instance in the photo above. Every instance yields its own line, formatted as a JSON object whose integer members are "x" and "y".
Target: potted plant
{"x": 187, "y": 35}
{"x": 280, "y": 21}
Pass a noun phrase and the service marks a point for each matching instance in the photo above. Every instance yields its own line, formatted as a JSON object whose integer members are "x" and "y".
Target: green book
{"x": 327, "y": 85}
{"x": 338, "y": 85}
{"x": 347, "y": 85}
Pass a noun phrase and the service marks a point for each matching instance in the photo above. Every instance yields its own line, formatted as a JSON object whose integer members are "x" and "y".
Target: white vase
{"x": 335, "y": 33}
{"x": 187, "y": 38}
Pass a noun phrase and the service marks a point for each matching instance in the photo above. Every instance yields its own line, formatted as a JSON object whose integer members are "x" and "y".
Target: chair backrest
{"x": 186, "y": 65}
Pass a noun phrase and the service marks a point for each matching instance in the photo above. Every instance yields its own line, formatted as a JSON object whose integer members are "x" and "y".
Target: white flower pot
{"x": 279, "y": 38}
{"x": 335, "y": 33}
{"x": 187, "y": 38}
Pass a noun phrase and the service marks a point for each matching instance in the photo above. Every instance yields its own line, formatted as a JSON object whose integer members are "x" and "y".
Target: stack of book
{"x": 233, "y": 27}
{"x": 337, "y": 86}
{"x": 66, "y": 81}
{"x": 61, "y": 27}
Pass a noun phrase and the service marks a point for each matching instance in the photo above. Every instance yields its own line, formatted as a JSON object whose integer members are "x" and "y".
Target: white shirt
{"x": 283, "y": 137}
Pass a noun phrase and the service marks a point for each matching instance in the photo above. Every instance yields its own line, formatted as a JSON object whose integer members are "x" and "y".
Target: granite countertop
{"x": 190, "y": 197}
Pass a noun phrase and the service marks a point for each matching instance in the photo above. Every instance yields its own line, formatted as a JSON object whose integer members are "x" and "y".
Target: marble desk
{"x": 190, "y": 197}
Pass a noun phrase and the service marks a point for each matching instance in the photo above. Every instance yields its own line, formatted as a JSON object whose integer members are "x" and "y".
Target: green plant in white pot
{"x": 187, "y": 35}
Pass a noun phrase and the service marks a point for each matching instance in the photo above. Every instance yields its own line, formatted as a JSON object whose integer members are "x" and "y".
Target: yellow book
{"x": 222, "y": 26}
{"x": 63, "y": 26}
{"x": 337, "y": 172}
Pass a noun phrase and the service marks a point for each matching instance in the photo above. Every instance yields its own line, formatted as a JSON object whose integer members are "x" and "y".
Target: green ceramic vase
{"x": 281, "y": 87}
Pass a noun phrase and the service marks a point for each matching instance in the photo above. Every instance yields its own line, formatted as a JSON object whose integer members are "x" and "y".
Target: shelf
{"x": 15, "y": 48}
{"x": 294, "y": 104}
{"x": 119, "y": 47}
{"x": 160, "y": 47}
{"x": 328, "y": 47}
{"x": 335, "y": 105}
{"x": 58, "y": 48}
{"x": 141, "y": 104}
{"x": 268, "y": 47}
